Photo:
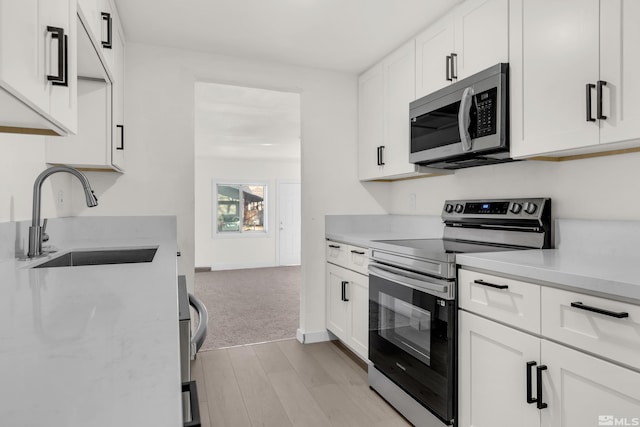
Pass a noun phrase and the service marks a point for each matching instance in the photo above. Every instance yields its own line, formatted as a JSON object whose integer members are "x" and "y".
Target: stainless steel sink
{"x": 101, "y": 257}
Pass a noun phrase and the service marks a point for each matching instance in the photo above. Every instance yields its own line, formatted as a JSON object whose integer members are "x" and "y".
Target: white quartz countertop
{"x": 613, "y": 276}
{"x": 93, "y": 345}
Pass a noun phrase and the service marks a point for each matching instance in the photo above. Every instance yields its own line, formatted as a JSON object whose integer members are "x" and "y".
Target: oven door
{"x": 412, "y": 337}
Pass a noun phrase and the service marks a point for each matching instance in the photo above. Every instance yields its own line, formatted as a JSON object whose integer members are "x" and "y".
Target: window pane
{"x": 253, "y": 196}
{"x": 228, "y": 208}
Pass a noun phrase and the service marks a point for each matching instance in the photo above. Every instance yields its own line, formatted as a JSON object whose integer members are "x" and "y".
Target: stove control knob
{"x": 516, "y": 208}
{"x": 459, "y": 208}
{"x": 448, "y": 208}
{"x": 530, "y": 207}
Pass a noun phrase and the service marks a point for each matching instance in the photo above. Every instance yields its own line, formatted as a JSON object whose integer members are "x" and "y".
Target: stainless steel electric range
{"x": 413, "y": 305}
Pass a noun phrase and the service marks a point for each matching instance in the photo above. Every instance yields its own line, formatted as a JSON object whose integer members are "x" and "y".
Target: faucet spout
{"x": 35, "y": 231}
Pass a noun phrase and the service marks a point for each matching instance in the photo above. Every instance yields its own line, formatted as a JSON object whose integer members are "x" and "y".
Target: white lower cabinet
{"x": 348, "y": 307}
{"x": 511, "y": 377}
{"x": 491, "y": 366}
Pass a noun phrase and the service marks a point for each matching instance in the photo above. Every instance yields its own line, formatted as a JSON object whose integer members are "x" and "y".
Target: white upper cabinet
{"x": 99, "y": 143}
{"x": 574, "y": 68}
{"x": 38, "y": 66}
{"x": 384, "y": 94}
{"x": 370, "y": 122}
{"x": 620, "y": 68}
{"x": 433, "y": 57}
{"x": 470, "y": 39}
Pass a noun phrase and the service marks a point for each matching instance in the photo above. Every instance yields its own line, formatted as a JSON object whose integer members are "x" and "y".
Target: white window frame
{"x": 240, "y": 233}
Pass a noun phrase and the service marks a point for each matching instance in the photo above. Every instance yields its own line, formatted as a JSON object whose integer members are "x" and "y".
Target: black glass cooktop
{"x": 435, "y": 249}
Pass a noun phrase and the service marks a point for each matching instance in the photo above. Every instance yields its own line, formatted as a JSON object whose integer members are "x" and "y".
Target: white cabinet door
{"x": 492, "y": 366}
{"x": 620, "y": 68}
{"x": 22, "y": 52}
{"x": 337, "y": 308}
{"x": 481, "y": 35}
{"x": 370, "y": 122}
{"x": 582, "y": 390}
{"x": 433, "y": 46}
{"x": 399, "y": 91}
{"x": 118, "y": 88}
{"x": 358, "y": 296}
{"x": 29, "y": 54}
{"x": 63, "y": 107}
{"x": 554, "y": 55}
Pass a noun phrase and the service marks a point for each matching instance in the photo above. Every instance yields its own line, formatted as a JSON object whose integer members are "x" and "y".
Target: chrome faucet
{"x": 36, "y": 231}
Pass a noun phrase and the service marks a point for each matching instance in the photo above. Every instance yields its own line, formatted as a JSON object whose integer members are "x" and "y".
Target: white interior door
{"x": 289, "y": 224}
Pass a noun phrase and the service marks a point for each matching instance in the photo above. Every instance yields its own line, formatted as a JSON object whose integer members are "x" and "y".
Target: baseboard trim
{"x": 312, "y": 337}
{"x": 241, "y": 266}
{"x": 202, "y": 269}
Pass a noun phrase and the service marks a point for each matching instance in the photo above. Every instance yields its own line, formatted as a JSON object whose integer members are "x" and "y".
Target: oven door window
{"x": 405, "y": 325}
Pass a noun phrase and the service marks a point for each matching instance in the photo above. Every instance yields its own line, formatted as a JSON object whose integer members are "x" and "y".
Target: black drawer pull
{"x": 357, "y": 252}
{"x": 539, "y": 369}
{"x": 334, "y": 246}
{"x": 344, "y": 291}
{"x": 581, "y": 306}
{"x": 491, "y": 285}
{"x": 61, "y": 79}
{"x": 195, "y": 406}
{"x": 121, "y": 147}
{"x": 108, "y": 43}
{"x": 530, "y": 399}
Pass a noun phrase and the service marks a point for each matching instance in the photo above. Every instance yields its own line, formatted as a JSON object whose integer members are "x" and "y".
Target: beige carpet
{"x": 249, "y": 306}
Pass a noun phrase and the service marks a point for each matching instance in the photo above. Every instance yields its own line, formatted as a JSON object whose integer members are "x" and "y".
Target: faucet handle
{"x": 45, "y": 236}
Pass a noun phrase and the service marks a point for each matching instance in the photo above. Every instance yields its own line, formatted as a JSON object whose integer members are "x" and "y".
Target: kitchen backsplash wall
{"x": 21, "y": 162}
{"x": 593, "y": 188}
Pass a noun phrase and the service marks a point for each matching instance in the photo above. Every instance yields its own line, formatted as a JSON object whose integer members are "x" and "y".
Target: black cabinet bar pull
{"x": 344, "y": 291}
{"x": 539, "y": 369}
{"x": 121, "y": 147}
{"x": 107, "y": 17}
{"x": 357, "y": 252}
{"x": 334, "y": 246}
{"x": 589, "y": 86}
{"x": 491, "y": 285}
{"x": 193, "y": 400}
{"x": 61, "y": 78}
{"x": 581, "y": 306}
{"x": 454, "y": 66}
{"x": 599, "y": 85}
{"x": 381, "y": 155}
{"x": 530, "y": 399}
{"x": 448, "y": 75}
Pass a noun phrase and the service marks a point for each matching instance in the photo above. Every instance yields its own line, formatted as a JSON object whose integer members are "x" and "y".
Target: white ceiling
{"x": 238, "y": 122}
{"x": 343, "y": 35}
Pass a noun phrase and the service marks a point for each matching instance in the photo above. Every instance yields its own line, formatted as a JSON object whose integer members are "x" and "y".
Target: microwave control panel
{"x": 486, "y": 110}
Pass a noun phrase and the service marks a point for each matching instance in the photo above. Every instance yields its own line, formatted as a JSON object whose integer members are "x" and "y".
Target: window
{"x": 240, "y": 208}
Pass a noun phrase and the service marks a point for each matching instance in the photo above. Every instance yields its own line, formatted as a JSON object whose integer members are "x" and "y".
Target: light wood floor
{"x": 286, "y": 383}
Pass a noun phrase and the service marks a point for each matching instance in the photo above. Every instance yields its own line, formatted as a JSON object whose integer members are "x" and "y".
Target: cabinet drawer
{"x": 336, "y": 253}
{"x": 358, "y": 259}
{"x": 510, "y": 301}
{"x": 348, "y": 256}
{"x": 616, "y": 338}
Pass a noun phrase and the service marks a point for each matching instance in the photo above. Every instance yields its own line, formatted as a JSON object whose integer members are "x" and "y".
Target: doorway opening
{"x": 247, "y": 212}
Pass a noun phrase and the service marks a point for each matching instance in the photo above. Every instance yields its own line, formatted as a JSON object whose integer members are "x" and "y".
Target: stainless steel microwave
{"x": 464, "y": 124}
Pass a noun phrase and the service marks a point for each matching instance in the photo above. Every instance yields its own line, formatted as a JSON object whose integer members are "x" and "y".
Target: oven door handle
{"x": 406, "y": 278}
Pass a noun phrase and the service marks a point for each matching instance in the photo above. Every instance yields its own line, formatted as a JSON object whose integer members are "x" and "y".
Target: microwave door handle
{"x": 464, "y": 118}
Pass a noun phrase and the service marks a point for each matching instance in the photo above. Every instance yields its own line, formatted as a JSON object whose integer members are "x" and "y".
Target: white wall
{"x": 595, "y": 188}
{"x": 21, "y": 162}
{"x": 231, "y": 250}
{"x": 159, "y": 110}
